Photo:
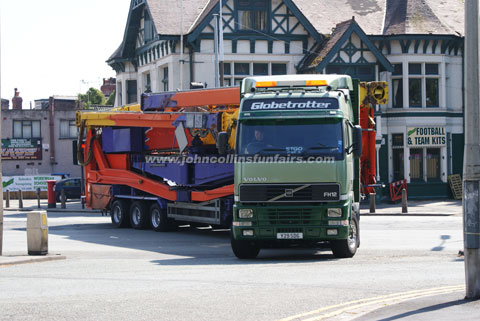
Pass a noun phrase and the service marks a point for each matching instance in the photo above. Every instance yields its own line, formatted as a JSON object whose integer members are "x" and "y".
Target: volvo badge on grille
{"x": 289, "y": 193}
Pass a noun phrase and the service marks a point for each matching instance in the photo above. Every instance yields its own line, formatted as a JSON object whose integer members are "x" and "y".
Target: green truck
{"x": 297, "y": 164}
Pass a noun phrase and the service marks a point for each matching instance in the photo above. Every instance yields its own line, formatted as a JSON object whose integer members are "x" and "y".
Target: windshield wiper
{"x": 271, "y": 150}
{"x": 317, "y": 148}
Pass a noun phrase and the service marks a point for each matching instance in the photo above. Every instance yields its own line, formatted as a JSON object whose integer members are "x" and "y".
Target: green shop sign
{"x": 426, "y": 136}
{"x": 21, "y": 149}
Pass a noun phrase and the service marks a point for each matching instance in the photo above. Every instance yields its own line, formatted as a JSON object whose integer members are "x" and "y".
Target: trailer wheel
{"x": 138, "y": 215}
{"x": 158, "y": 219}
{"x": 119, "y": 213}
{"x": 244, "y": 249}
{"x": 347, "y": 248}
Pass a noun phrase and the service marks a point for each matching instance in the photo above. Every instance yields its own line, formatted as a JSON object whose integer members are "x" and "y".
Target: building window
{"x": 165, "y": 79}
{"x": 227, "y": 69}
{"x": 423, "y": 85}
{"x": 433, "y": 163}
{"x": 147, "y": 84}
{"x": 260, "y": 69}
{"x": 68, "y": 129}
{"x": 26, "y": 129}
{"x": 131, "y": 91}
{"x": 397, "y": 157}
{"x": 415, "y": 92}
{"x": 279, "y": 69}
{"x": 364, "y": 72}
{"x": 119, "y": 93}
{"x": 431, "y": 84}
{"x": 244, "y": 69}
{"x": 397, "y": 90}
{"x": 252, "y": 14}
{"x": 416, "y": 164}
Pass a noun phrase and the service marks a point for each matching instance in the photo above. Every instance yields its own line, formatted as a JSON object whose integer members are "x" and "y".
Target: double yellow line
{"x": 373, "y": 303}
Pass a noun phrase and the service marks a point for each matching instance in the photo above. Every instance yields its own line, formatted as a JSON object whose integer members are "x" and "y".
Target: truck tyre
{"x": 347, "y": 248}
{"x": 158, "y": 219}
{"x": 119, "y": 213}
{"x": 138, "y": 215}
{"x": 244, "y": 249}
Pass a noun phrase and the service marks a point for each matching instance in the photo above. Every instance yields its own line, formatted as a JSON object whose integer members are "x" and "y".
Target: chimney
{"x": 17, "y": 100}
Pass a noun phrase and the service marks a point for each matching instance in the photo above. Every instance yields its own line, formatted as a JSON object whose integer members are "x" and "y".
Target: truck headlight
{"x": 245, "y": 213}
{"x": 334, "y": 212}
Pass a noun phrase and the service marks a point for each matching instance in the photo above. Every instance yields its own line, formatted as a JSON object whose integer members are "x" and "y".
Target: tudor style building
{"x": 415, "y": 45}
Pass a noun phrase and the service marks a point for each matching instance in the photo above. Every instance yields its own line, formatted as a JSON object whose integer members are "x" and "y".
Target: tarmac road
{"x": 191, "y": 274}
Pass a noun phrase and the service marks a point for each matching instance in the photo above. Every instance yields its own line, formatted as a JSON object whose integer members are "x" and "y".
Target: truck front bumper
{"x": 291, "y": 224}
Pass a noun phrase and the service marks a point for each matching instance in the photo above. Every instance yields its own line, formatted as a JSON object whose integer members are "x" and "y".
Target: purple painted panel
{"x": 157, "y": 101}
{"x": 122, "y": 140}
{"x": 174, "y": 172}
{"x": 209, "y": 173}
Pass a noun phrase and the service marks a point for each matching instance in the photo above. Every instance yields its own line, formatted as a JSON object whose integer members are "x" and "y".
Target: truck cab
{"x": 298, "y": 141}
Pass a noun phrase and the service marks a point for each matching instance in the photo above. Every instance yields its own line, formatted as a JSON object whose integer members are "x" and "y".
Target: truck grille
{"x": 289, "y": 193}
{"x": 280, "y": 216}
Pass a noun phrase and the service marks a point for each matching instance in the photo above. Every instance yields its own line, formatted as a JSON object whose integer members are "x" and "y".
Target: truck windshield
{"x": 298, "y": 137}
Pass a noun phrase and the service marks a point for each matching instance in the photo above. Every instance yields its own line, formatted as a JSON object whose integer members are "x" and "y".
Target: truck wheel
{"x": 347, "y": 248}
{"x": 244, "y": 249}
{"x": 158, "y": 219}
{"x": 119, "y": 213}
{"x": 138, "y": 215}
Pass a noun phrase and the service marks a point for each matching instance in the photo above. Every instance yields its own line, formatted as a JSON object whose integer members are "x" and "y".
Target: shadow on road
{"x": 186, "y": 246}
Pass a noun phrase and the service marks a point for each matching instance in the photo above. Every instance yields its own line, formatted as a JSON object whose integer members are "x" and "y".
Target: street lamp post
{"x": 471, "y": 168}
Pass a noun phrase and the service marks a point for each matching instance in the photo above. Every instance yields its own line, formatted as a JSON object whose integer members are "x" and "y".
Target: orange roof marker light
{"x": 291, "y": 83}
{"x": 321, "y": 82}
{"x": 266, "y": 84}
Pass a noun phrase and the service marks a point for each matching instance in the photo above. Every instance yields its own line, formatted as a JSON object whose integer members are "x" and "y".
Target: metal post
{"x": 7, "y": 200}
{"x": 372, "y": 202}
{"x": 181, "y": 45}
{"x": 82, "y": 197}
{"x": 1, "y": 194}
{"x": 38, "y": 197}
{"x": 20, "y": 199}
{"x": 62, "y": 199}
{"x": 404, "y": 201}
{"x": 215, "y": 39}
{"x": 471, "y": 166}
{"x": 220, "y": 45}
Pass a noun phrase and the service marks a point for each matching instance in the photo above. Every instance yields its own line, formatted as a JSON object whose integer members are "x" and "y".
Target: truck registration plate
{"x": 289, "y": 236}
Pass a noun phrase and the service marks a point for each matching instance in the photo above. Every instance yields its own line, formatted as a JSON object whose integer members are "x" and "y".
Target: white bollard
{"x": 37, "y": 233}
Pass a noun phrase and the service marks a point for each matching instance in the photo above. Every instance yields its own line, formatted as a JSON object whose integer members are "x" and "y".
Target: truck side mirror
{"x": 222, "y": 143}
{"x": 357, "y": 141}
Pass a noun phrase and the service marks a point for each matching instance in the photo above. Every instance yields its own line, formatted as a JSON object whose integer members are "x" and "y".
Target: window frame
{"x": 251, "y": 9}
{"x": 422, "y": 160}
{"x": 165, "y": 78}
{"x": 22, "y": 125}
{"x": 426, "y": 78}
{"x": 70, "y": 123}
{"x": 235, "y": 79}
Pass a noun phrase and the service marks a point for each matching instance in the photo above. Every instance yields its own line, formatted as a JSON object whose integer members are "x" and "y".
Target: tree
{"x": 93, "y": 96}
{"x": 111, "y": 99}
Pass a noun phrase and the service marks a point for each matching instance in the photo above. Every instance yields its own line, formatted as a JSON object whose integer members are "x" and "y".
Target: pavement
{"x": 449, "y": 305}
{"x": 415, "y": 208}
{"x": 32, "y": 205}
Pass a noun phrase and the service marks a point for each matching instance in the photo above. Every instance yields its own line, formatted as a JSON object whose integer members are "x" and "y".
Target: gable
{"x": 349, "y": 45}
{"x": 282, "y": 19}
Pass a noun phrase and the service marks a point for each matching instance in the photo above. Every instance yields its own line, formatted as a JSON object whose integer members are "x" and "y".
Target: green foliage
{"x": 111, "y": 99}
{"x": 93, "y": 96}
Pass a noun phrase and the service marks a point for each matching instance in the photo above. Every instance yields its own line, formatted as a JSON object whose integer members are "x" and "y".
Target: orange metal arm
{"x": 212, "y": 194}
